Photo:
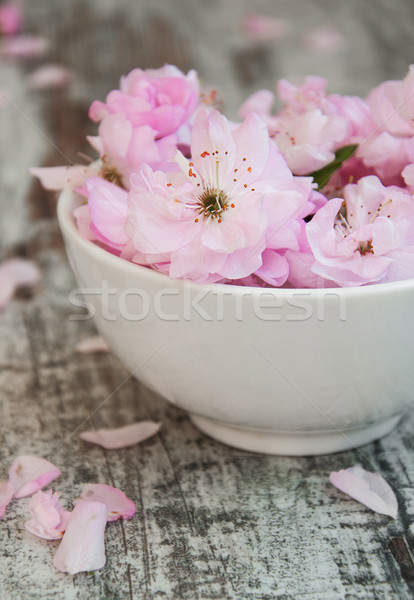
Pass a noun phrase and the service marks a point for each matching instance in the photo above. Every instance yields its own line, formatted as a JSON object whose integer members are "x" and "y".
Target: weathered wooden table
{"x": 212, "y": 521}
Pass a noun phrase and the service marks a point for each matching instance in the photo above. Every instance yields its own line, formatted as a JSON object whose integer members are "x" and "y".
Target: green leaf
{"x": 322, "y": 176}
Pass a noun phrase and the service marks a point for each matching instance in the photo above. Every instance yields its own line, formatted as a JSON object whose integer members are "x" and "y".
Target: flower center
{"x": 366, "y": 247}
{"x": 109, "y": 173}
{"x": 212, "y": 202}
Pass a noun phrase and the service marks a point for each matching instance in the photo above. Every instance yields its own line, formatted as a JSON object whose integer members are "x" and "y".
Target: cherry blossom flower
{"x": 82, "y": 547}
{"x": 118, "y": 505}
{"x": 124, "y": 147}
{"x": 28, "y": 474}
{"x": 392, "y": 105}
{"x": 368, "y": 237}
{"x": 389, "y": 148}
{"x": 6, "y": 496}
{"x": 368, "y": 488}
{"x": 49, "y": 519}
{"x": 163, "y": 99}
{"x": 308, "y": 129}
{"x": 210, "y": 223}
{"x": 121, "y": 437}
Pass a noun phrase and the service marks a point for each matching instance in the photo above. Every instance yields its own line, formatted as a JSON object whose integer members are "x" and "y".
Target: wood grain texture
{"x": 212, "y": 521}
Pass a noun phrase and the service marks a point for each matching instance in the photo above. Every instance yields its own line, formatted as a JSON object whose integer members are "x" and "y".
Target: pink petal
{"x": 368, "y": 488}
{"x": 56, "y": 178}
{"x": 83, "y": 222}
{"x": 82, "y": 547}
{"x": 408, "y": 174}
{"x": 49, "y": 519}
{"x": 6, "y": 495}
{"x": 122, "y": 436}
{"x": 108, "y": 211}
{"x": 49, "y": 77}
{"x": 91, "y": 345}
{"x": 10, "y": 18}
{"x": 117, "y": 503}
{"x": 15, "y": 273}
{"x": 28, "y": 474}
{"x": 21, "y": 271}
{"x": 24, "y": 46}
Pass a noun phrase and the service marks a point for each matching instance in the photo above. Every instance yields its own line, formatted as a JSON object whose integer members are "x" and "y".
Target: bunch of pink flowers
{"x": 318, "y": 194}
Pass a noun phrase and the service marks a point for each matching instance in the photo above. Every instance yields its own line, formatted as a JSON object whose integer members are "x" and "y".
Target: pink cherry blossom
{"x": 366, "y": 238}
{"x": 124, "y": 148}
{"x": 368, "y": 488}
{"x": 163, "y": 99}
{"x": 15, "y": 273}
{"x": 387, "y": 155}
{"x": 28, "y": 474}
{"x": 210, "y": 223}
{"x": 6, "y": 496}
{"x": 118, "y": 505}
{"x": 388, "y": 147}
{"x": 121, "y": 437}
{"x": 82, "y": 547}
{"x": 308, "y": 129}
{"x": 49, "y": 519}
{"x": 308, "y": 140}
{"x": 392, "y": 105}
{"x": 10, "y": 18}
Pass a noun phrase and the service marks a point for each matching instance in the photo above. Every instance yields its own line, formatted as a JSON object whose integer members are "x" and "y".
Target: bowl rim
{"x": 68, "y": 200}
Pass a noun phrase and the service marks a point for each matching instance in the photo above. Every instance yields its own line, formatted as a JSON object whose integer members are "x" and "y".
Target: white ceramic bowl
{"x": 279, "y": 371}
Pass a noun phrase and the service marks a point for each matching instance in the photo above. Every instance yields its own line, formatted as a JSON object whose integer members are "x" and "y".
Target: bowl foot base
{"x": 293, "y": 443}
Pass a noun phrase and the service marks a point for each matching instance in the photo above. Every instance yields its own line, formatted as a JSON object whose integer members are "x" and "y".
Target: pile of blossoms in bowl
{"x": 318, "y": 194}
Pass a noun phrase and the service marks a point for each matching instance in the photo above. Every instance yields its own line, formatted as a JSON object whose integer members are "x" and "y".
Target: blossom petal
{"x": 56, "y": 178}
{"x": 49, "y": 519}
{"x": 117, "y": 503}
{"x": 108, "y": 211}
{"x": 82, "y": 547}
{"x": 28, "y": 474}
{"x": 6, "y": 495}
{"x": 368, "y": 488}
{"x": 213, "y": 147}
{"x": 24, "y": 46}
{"x": 91, "y": 345}
{"x": 48, "y": 77}
{"x": 121, "y": 437}
{"x": 15, "y": 273}
{"x": 83, "y": 222}
{"x": 10, "y": 18}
